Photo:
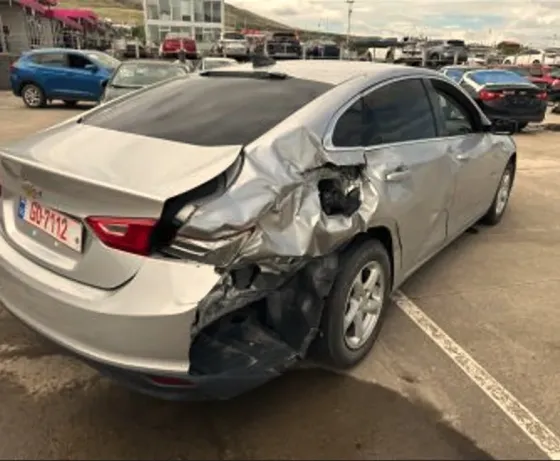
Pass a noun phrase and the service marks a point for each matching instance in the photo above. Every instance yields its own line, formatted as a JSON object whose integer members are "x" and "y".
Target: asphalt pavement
{"x": 465, "y": 367}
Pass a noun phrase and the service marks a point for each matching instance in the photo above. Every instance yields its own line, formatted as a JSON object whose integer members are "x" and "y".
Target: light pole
{"x": 350, "y": 6}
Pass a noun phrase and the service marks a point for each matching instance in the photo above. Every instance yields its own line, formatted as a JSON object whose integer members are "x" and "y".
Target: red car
{"x": 545, "y": 77}
{"x": 174, "y": 42}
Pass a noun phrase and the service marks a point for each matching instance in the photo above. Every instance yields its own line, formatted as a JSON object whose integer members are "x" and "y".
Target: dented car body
{"x": 215, "y": 218}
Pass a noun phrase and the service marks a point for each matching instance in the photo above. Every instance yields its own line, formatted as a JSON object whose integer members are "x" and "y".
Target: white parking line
{"x": 535, "y": 429}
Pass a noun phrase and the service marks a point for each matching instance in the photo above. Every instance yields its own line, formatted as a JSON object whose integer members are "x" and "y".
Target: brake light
{"x": 486, "y": 95}
{"x": 132, "y": 235}
{"x": 543, "y": 96}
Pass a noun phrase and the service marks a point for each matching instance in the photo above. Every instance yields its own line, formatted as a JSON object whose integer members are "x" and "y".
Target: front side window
{"x": 456, "y": 118}
{"x": 77, "y": 61}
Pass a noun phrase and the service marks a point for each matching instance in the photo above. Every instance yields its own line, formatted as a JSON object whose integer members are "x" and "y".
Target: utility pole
{"x": 350, "y": 6}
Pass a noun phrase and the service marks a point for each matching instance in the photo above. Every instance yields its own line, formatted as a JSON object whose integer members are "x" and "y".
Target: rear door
{"x": 471, "y": 152}
{"x": 50, "y": 71}
{"x": 406, "y": 161}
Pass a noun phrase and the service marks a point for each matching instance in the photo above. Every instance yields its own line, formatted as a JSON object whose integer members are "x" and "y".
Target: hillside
{"x": 130, "y": 11}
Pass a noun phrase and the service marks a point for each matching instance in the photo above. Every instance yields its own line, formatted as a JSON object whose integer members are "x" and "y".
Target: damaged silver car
{"x": 199, "y": 237}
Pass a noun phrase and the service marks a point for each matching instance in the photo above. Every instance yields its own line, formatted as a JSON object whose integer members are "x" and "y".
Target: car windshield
{"x": 104, "y": 59}
{"x": 136, "y": 75}
{"x": 484, "y": 77}
{"x": 455, "y": 74}
{"x": 233, "y": 36}
{"x": 215, "y": 63}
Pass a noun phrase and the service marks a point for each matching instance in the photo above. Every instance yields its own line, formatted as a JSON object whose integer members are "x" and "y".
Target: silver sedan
{"x": 197, "y": 238}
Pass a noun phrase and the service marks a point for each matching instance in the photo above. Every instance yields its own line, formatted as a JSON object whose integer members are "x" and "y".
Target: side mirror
{"x": 91, "y": 67}
{"x": 502, "y": 127}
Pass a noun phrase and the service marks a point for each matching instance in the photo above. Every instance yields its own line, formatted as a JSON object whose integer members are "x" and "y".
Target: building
{"x": 201, "y": 19}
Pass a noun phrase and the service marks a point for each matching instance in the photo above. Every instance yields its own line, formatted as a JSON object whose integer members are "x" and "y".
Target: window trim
{"x": 47, "y": 53}
{"x": 327, "y": 138}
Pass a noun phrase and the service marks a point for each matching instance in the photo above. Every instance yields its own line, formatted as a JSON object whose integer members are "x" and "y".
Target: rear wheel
{"x": 356, "y": 305}
{"x": 496, "y": 211}
{"x": 33, "y": 96}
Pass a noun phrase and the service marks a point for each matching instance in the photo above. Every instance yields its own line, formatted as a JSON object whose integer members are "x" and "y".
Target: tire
{"x": 334, "y": 344}
{"x": 68, "y": 103}
{"x": 521, "y": 126}
{"x": 496, "y": 211}
{"x": 390, "y": 56}
{"x": 33, "y": 96}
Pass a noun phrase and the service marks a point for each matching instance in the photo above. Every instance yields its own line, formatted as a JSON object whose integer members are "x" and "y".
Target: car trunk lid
{"x": 74, "y": 171}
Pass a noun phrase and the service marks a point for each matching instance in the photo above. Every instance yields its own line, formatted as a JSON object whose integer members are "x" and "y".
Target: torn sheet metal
{"x": 291, "y": 200}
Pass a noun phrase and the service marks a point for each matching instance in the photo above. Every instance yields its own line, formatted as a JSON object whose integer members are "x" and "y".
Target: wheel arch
{"x": 388, "y": 237}
{"x": 30, "y": 82}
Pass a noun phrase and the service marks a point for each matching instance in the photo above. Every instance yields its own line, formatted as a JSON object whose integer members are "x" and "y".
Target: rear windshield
{"x": 209, "y": 111}
{"x": 484, "y": 77}
{"x": 521, "y": 71}
{"x": 455, "y": 74}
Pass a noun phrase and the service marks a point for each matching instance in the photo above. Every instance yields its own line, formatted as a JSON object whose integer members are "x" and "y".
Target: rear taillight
{"x": 132, "y": 235}
{"x": 542, "y": 96}
{"x": 486, "y": 95}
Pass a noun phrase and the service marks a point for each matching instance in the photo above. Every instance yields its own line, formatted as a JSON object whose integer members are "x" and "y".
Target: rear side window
{"x": 49, "y": 59}
{"x": 209, "y": 111}
{"x": 396, "y": 112}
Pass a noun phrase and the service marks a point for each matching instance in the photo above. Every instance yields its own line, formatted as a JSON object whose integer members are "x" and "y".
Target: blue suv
{"x": 43, "y": 75}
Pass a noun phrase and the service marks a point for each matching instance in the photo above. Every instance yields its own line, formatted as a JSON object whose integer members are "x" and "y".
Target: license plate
{"x": 63, "y": 229}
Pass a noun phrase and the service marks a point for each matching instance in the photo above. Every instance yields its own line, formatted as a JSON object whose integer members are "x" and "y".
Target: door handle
{"x": 398, "y": 174}
{"x": 462, "y": 157}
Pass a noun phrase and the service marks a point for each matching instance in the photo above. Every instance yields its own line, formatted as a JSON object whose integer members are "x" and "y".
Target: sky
{"x": 533, "y": 22}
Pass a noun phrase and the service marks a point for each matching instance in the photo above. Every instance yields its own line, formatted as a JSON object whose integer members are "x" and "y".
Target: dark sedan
{"x": 505, "y": 96}
{"x": 136, "y": 74}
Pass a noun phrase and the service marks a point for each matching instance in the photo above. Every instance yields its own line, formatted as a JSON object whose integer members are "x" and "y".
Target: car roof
{"x": 57, "y": 50}
{"x": 335, "y": 72}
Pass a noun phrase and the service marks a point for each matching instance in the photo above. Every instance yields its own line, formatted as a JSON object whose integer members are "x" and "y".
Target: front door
{"x": 472, "y": 154}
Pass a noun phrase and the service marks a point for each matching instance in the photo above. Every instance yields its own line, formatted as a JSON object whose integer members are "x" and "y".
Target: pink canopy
{"x": 76, "y": 13}
{"x": 63, "y": 16}
{"x": 33, "y": 4}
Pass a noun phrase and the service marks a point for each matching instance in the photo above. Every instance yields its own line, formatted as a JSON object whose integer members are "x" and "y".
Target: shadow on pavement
{"x": 308, "y": 414}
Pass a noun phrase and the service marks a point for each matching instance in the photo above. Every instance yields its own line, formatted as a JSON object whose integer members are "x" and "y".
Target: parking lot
{"x": 466, "y": 366}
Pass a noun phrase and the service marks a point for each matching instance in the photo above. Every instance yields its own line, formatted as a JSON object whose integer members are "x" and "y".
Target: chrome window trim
{"x": 327, "y": 139}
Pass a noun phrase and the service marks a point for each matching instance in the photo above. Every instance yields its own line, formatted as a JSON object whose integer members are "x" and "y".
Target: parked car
{"x": 323, "y": 49}
{"x": 526, "y": 71}
{"x": 444, "y": 51}
{"x": 48, "y": 74}
{"x": 506, "y": 96}
{"x": 214, "y": 63}
{"x": 232, "y": 45}
{"x": 456, "y": 73}
{"x": 199, "y": 244}
{"x": 280, "y": 45}
{"x": 174, "y": 42}
{"x": 135, "y": 74}
{"x": 531, "y": 56}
